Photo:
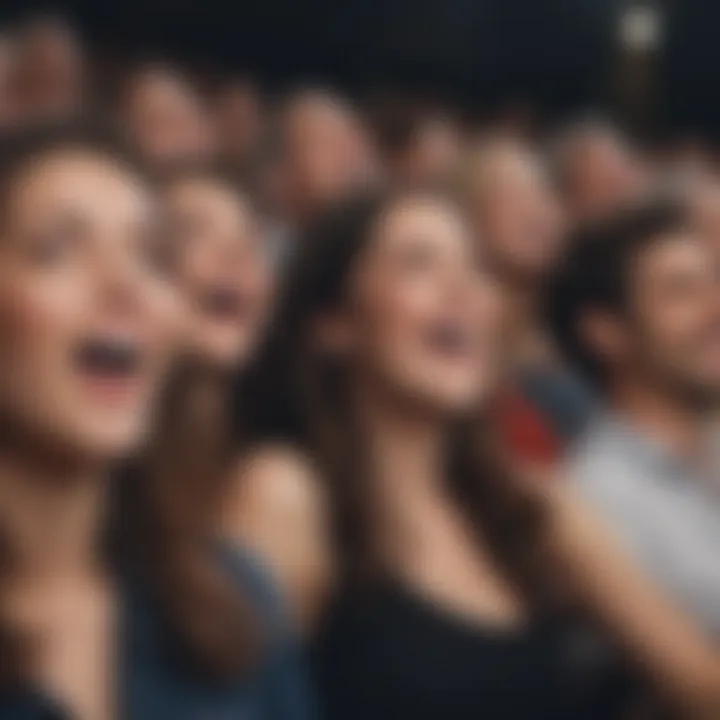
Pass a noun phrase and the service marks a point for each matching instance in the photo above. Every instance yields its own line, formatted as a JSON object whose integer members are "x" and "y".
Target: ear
{"x": 333, "y": 335}
{"x": 605, "y": 333}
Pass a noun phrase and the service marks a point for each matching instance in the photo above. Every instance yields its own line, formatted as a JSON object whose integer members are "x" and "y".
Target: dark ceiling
{"x": 556, "y": 53}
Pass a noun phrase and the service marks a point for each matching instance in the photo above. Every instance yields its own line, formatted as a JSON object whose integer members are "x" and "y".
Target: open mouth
{"x": 108, "y": 359}
{"x": 451, "y": 340}
{"x": 223, "y": 303}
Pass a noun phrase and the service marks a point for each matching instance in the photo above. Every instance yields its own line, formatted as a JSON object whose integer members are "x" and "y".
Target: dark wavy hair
{"x": 596, "y": 273}
{"x": 156, "y": 533}
{"x": 295, "y": 395}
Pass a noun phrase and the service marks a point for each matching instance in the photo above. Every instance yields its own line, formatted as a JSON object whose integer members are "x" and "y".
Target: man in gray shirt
{"x": 636, "y": 305}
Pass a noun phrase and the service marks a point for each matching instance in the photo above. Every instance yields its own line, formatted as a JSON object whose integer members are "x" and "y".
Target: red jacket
{"x": 525, "y": 430}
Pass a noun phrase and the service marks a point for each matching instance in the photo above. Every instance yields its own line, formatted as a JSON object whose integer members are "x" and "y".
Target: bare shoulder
{"x": 276, "y": 506}
{"x": 276, "y": 477}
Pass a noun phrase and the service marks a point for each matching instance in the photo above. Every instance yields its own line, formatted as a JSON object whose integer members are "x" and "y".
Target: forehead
{"x": 81, "y": 180}
{"x": 427, "y": 220}
{"x": 518, "y": 167}
{"x": 208, "y": 196}
{"x": 160, "y": 88}
{"x": 317, "y": 116}
{"x": 601, "y": 146}
{"x": 671, "y": 255}
{"x": 505, "y": 168}
{"x": 50, "y": 38}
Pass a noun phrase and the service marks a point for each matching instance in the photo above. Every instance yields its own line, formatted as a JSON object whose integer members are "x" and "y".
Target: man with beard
{"x": 635, "y": 304}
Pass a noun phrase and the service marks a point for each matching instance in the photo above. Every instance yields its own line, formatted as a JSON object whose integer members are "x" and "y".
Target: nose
{"x": 232, "y": 254}
{"x": 120, "y": 286}
{"x": 459, "y": 284}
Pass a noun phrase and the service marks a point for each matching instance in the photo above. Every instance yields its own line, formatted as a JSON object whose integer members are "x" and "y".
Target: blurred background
{"x": 650, "y": 58}
{"x": 540, "y": 117}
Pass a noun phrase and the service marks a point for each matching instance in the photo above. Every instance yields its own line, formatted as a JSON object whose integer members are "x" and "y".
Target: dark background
{"x": 557, "y": 54}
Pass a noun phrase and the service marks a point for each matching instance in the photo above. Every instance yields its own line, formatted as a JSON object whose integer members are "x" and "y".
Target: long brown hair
{"x": 295, "y": 395}
{"x": 156, "y": 534}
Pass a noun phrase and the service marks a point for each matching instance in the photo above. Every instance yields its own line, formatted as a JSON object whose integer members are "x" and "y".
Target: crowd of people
{"x": 319, "y": 408}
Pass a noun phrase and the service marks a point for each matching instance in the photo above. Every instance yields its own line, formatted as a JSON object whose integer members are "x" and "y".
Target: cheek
{"x": 37, "y": 326}
{"x": 680, "y": 323}
{"x": 390, "y": 329}
{"x": 193, "y": 266}
{"x": 668, "y": 338}
{"x": 330, "y": 169}
{"x": 166, "y": 322}
{"x": 503, "y": 220}
{"x": 33, "y": 321}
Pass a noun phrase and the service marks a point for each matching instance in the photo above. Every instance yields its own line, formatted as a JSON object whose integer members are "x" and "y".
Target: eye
{"x": 53, "y": 246}
{"x": 416, "y": 257}
{"x": 155, "y": 251}
{"x": 185, "y": 230}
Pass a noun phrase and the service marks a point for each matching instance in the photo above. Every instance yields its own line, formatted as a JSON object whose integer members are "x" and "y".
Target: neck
{"x": 51, "y": 514}
{"x": 207, "y": 388}
{"x": 662, "y": 416}
{"x": 406, "y": 469}
{"x": 405, "y": 445}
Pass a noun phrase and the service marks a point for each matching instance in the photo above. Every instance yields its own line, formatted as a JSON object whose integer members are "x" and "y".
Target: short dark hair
{"x": 596, "y": 273}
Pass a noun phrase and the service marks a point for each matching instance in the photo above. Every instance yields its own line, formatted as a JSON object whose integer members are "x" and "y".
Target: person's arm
{"x": 276, "y": 507}
{"x": 682, "y": 664}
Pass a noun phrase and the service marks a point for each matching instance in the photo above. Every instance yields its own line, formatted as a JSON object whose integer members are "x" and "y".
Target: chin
{"x": 110, "y": 437}
{"x": 113, "y": 443}
{"x": 223, "y": 353}
{"x": 451, "y": 401}
{"x": 221, "y": 359}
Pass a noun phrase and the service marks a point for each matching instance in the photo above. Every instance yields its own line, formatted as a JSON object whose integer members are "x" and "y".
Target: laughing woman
{"x": 112, "y": 604}
{"x": 461, "y": 590}
{"x": 221, "y": 271}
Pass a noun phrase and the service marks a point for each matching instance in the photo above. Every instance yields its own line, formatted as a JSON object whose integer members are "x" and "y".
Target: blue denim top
{"x": 153, "y": 687}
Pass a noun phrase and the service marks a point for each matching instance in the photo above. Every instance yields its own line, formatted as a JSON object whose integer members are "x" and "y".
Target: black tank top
{"x": 396, "y": 656}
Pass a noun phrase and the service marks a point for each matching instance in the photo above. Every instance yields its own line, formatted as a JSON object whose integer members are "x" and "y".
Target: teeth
{"x": 222, "y": 301}
{"x": 450, "y": 339}
{"x": 108, "y": 356}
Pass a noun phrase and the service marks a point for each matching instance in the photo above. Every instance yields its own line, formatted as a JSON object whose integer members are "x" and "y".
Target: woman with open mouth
{"x": 114, "y": 601}
{"x": 459, "y": 587}
{"x": 222, "y": 272}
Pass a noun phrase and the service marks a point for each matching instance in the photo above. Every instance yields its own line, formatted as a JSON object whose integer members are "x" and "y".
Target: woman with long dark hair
{"x": 114, "y": 601}
{"x": 456, "y": 584}
{"x": 222, "y": 272}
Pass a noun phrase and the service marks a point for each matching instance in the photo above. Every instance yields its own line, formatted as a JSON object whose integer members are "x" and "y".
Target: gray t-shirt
{"x": 665, "y": 512}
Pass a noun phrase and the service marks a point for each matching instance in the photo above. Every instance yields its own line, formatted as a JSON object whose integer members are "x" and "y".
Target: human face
{"x": 166, "y": 119}
{"x": 674, "y": 335}
{"x": 705, "y": 204}
{"x": 86, "y": 316}
{"x": 328, "y": 154}
{"x": 604, "y": 174}
{"x": 239, "y": 119}
{"x": 518, "y": 214}
{"x": 50, "y": 71}
{"x": 223, "y": 271}
{"x": 423, "y": 316}
{"x": 435, "y": 152}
